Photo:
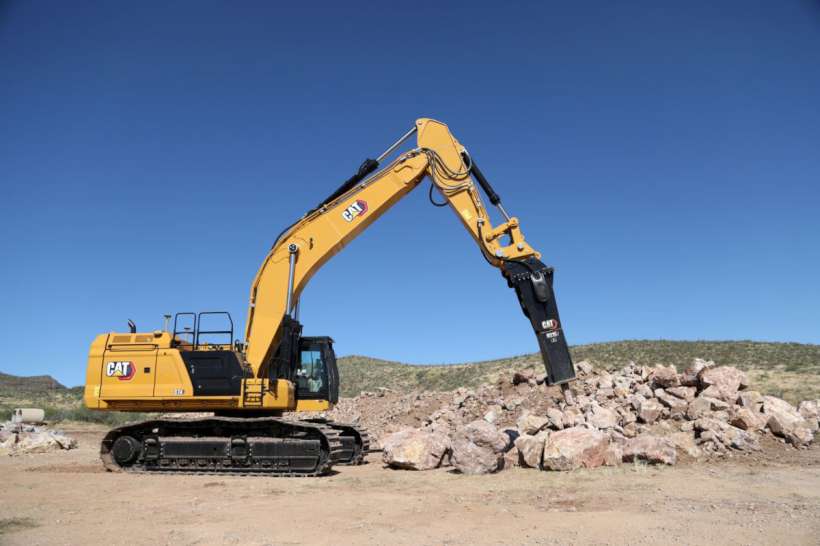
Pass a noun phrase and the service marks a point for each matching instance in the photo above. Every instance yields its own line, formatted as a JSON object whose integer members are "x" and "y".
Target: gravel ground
{"x": 65, "y": 497}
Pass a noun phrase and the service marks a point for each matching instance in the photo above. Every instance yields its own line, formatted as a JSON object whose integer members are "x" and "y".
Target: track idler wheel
{"x": 126, "y": 450}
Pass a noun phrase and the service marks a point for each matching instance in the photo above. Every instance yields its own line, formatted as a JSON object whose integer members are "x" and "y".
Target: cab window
{"x": 311, "y": 376}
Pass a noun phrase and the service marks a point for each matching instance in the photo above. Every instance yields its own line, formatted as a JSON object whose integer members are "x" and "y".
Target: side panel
{"x": 94, "y": 371}
{"x": 214, "y": 373}
{"x": 128, "y": 370}
{"x": 171, "y": 379}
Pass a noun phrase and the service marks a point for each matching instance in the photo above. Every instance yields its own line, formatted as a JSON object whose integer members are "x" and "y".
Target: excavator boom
{"x": 304, "y": 247}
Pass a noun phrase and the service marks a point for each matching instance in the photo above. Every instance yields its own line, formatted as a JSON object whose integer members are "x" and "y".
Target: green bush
{"x": 57, "y": 414}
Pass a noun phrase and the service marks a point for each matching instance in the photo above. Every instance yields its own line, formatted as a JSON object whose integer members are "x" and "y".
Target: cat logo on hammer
{"x": 124, "y": 371}
{"x": 357, "y": 208}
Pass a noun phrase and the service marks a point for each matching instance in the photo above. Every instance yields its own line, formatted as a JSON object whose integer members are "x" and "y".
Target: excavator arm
{"x": 306, "y": 245}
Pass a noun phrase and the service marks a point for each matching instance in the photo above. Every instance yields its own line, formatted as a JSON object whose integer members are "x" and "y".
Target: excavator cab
{"x": 317, "y": 377}
{"x": 307, "y": 362}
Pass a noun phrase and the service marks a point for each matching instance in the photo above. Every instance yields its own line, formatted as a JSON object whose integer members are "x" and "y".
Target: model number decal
{"x": 357, "y": 208}
{"x": 122, "y": 370}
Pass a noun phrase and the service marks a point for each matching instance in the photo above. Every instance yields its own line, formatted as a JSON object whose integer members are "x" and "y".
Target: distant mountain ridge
{"x": 29, "y": 384}
{"x": 791, "y": 370}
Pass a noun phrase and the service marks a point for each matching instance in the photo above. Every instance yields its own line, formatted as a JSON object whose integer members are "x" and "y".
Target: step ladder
{"x": 253, "y": 391}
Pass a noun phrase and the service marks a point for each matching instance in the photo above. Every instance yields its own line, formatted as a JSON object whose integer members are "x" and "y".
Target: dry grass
{"x": 789, "y": 370}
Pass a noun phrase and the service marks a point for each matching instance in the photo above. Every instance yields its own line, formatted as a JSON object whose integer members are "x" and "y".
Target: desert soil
{"x": 67, "y": 498}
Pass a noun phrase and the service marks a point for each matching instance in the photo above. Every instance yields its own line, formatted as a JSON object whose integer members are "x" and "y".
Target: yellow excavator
{"x": 197, "y": 366}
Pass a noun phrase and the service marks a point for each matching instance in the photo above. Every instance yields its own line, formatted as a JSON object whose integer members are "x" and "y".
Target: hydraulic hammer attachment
{"x": 532, "y": 281}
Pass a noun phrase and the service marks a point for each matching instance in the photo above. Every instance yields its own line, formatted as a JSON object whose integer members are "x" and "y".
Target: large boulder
{"x": 677, "y": 406}
{"x": 726, "y": 434}
{"x": 463, "y": 396}
{"x": 650, "y": 448}
{"x": 602, "y": 418}
{"x": 575, "y": 447}
{"x": 41, "y": 441}
{"x": 684, "y": 393}
{"x": 737, "y": 438}
{"x": 620, "y": 391}
{"x": 556, "y": 418}
{"x": 512, "y": 458}
{"x": 65, "y": 442}
{"x": 685, "y": 442}
{"x": 25, "y": 439}
{"x": 664, "y": 377}
{"x": 649, "y": 411}
{"x": 784, "y": 420}
{"x": 605, "y": 380}
{"x": 723, "y": 382}
{"x": 750, "y": 399}
{"x": 414, "y": 449}
{"x": 748, "y": 420}
{"x": 530, "y": 423}
{"x": 635, "y": 400}
{"x": 810, "y": 411}
{"x": 531, "y": 448}
{"x": 572, "y": 416}
{"x": 644, "y": 390}
{"x": 630, "y": 430}
{"x": 689, "y": 377}
{"x": 491, "y": 416}
{"x": 478, "y": 448}
{"x": 584, "y": 367}
{"x": 704, "y": 405}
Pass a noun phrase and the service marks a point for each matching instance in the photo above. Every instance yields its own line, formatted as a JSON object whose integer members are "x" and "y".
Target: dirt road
{"x": 66, "y": 498}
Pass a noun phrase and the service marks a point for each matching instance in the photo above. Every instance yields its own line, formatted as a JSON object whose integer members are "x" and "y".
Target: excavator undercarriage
{"x": 231, "y": 445}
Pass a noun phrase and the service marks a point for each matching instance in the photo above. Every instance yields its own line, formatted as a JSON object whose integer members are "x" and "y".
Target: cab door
{"x": 332, "y": 372}
{"x": 311, "y": 375}
{"x": 128, "y": 366}
{"x": 317, "y": 377}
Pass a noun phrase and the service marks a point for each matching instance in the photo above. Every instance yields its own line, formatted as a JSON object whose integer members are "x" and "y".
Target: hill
{"x": 31, "y": 384}
{"x": 59, "y": 402}
{"x": 789, "y": 370}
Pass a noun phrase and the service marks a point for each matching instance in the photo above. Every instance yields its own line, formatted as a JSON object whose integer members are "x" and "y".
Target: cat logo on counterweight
{"x": 122, "y": 370}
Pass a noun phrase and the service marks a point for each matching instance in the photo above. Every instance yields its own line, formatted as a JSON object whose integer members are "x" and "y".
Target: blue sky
{"x": 663, "y": 157}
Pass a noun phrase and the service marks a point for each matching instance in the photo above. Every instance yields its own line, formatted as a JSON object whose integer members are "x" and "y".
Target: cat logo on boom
{"x": 122, "y": 370}
{"x": 357, "y": 208}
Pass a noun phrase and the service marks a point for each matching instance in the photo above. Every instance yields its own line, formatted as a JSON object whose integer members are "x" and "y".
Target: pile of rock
{"x": 17, "y": 439}
{"x": 385, "y": 411}
{"x": 477, "y": 448}
{"x": 652, "y": 414}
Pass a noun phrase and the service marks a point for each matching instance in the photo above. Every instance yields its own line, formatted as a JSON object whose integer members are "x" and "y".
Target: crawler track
{"x": 355, "y": 440}
{"x": 267, "y": 446}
